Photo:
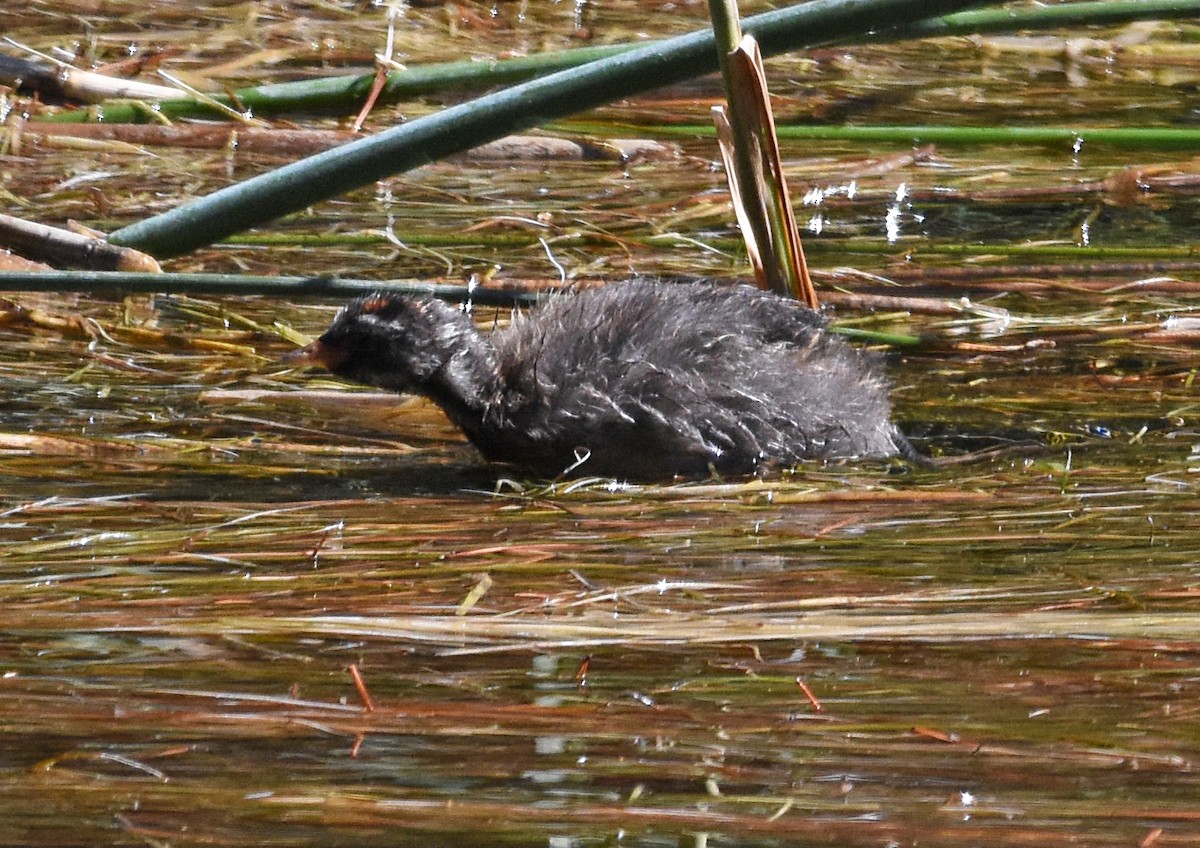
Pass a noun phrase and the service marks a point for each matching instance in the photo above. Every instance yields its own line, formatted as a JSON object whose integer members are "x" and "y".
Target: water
{"x": 1003, "y": 650}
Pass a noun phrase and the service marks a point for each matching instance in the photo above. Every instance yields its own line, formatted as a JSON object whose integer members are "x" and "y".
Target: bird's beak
{"x": 319, "y": 353}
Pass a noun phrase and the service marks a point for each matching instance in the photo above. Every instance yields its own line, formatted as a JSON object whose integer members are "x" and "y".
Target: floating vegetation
{"x": 232, "y": 596}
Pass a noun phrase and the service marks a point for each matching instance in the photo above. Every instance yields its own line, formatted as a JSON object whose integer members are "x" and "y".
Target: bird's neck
{"x": 468, "y": 382}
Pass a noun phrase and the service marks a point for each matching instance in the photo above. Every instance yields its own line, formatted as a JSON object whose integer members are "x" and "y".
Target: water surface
{"x": 1003, "y": 650}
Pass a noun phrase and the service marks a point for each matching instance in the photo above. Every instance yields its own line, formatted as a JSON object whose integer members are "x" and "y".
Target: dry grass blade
{"x": 748, "y": 218}
{"x": 245, "y": 139}
{"x": 757, "y": 186}
{"x": 489, "y": 634}
{"x": 64, "y": 82}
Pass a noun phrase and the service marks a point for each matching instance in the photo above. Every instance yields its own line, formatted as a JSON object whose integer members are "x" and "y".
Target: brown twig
{"x": 808, "y": 693}
{"x": 249, "y": 139}
{"x": 66, "y": 249}
{"x": 361, "y": 686}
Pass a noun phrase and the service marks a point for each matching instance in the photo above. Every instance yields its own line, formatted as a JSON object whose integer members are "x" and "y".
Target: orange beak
{"x": 317, "y": 353}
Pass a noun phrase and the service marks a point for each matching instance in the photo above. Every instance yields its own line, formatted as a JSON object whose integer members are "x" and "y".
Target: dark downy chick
{"x": 639, "y": 379}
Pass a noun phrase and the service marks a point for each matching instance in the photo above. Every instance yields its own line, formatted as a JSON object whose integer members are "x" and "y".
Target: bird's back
{"x": 648, "y": 379}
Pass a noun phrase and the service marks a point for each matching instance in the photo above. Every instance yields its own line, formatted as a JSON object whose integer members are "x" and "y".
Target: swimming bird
{"x": 640, "y": 379}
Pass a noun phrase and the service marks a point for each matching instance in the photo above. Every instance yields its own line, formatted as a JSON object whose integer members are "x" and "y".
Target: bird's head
{"x": 394, "y": 342}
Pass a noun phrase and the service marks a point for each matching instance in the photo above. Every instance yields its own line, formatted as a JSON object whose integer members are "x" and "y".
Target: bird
{"x": 641, "y": 379}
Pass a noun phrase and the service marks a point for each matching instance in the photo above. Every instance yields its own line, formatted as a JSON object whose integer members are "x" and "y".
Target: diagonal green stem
{"x": 325, "y": 175}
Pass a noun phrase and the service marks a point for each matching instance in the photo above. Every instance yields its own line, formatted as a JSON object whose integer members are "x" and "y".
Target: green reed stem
{"x": 458, "y": 128}
{"x": 345, "y": 94}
